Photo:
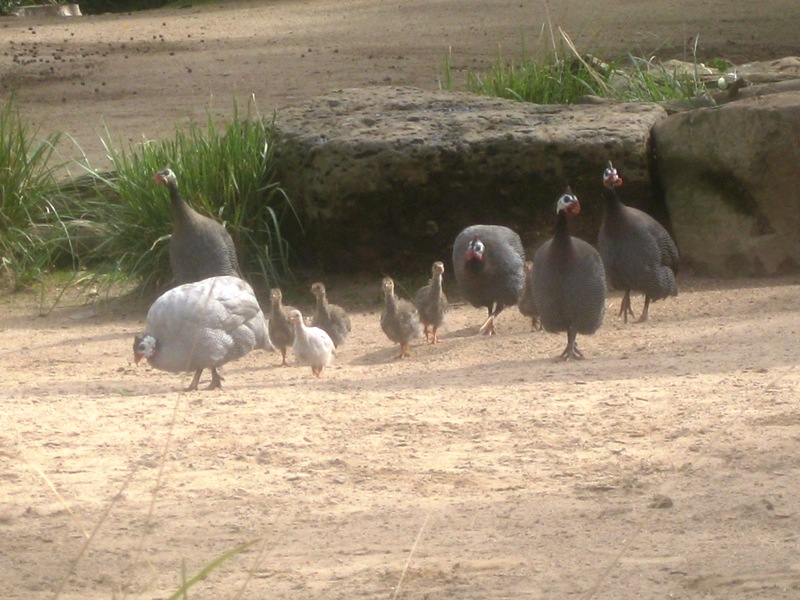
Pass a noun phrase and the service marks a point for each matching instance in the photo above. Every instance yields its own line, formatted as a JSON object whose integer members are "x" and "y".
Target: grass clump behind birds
{"x": 28, "y": 215}
{"x": 226, "y": 172}
{"x": 562, "y": 75}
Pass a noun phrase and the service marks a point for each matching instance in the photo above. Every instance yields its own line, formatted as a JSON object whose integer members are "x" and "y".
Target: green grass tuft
{"x": 562, "y": 75}
{"x": 27, "y": 188}
{"x": 122, "y": 218}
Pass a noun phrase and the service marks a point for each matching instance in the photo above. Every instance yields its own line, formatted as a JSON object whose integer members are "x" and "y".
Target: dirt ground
{"x": 665, "y": 465}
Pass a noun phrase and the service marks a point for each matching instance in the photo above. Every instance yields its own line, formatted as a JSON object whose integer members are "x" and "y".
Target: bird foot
{"x": 571, "y": 352}
{"x": 216, "y": 380}
{"x": 404, "y": 353}
{"x": 488, "y": 327}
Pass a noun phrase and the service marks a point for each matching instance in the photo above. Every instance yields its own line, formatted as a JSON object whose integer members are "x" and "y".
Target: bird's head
{"x": 387, "y": 285}
{"x": 318, "y": 289}
{"x": 475, "y": 250}
{"x": 438, "y": 268}
{"x": 276, "y": 296}
{"x": 568, "y": 202}
{"x": 144, "y": 346}
{"x": 165, "y": 177}
{"x": 611, "y": 178}
{"x": 296, "y": 316}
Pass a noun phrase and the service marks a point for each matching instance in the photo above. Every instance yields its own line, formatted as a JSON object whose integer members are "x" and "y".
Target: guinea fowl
{"x": 200, "y": 247}
{"x": 281, "y": 330}
{"x": 312, "y": 345}
{"x": 399, "y": 320}
{"x": 202, "y": 325}
{"x": 431, "y": 304}
{"x": 333, "y": 319}
{"x": 637, "y": 251}
{"x": 487, "y": 262}
{"x": 526, "y": 304}
{"x": 568, "y": 281}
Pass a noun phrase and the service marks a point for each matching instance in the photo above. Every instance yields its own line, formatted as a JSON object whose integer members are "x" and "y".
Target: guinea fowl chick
{"x": 526, "y": 305}
{"x": 199, "y": 247}
{"x": 431, "y": 304}
{"x": 487, "y": 263}
{"x": 330, "y": 317}
{"x": 281, "y": 330}
{"x": 638, "y": 253}
{"x": 399, "y": 320}
{"x": 202, "y": 325}
{"x": 312, "y": 345}
{"x": 568, "y": 281}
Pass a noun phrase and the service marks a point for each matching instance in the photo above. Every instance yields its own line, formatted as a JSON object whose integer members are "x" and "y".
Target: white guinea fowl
{"x": 202, "y": 325}
{"x": 312, "y": 345}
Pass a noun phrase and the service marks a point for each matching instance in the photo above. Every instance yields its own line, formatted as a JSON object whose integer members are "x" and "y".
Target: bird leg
{"x": 536, "y": 323}
{"x": 435, "y": 336}
{"x": 404, "y": 353}
{"x": 571, "y": 351}
{"x": 625, "y": 306}
{"x": 643, "y": 318}
{"x": 195, "y": 380}
{"x": 216, "y": 380}
{"x": 426, "y": 331}
{"x": 283, "y": 354}
{"x": 488, "y": 327}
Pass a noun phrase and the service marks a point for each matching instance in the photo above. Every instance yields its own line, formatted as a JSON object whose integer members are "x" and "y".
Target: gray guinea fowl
{"x": 526, "y": 304}
{"x": 312, "y": 345}
{"x": 568, "y": 281}
{"x": 399, "y": 320}
{"x": 200, "y": 247}
{"x": 332, "y": 318}
{"x": 202, "y": 325}
{"x": 281, "y": 330}
{"x": 431, "y": 303}
{"x": 638, "y": 253}
{"x": 487, "y": 263}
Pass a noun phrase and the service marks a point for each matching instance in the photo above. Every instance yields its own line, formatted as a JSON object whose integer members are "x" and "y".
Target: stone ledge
{"x": 386, "y": 177}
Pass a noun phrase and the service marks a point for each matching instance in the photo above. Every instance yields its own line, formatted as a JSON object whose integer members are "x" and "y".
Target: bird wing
{"x": 237, "y": 303}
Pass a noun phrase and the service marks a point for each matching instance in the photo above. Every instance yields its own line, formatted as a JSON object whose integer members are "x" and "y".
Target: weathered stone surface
{"x": 732, "y": 185}
{"x": 385, "y": 178}
{"x": 769, "y": 71}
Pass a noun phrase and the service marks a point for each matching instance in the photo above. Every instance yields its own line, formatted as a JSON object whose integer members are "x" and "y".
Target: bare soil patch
{"x": 665, "y": 465}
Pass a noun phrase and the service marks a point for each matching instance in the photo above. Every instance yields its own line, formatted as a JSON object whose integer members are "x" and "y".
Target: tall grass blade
{"x": 211, "y": 566}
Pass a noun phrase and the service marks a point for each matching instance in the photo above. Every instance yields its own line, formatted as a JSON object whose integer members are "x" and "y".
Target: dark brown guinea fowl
{"x": 431, "y": 304}
{"x": 200, "y": 247}
{"x": 487, "y": 263}
{"x": 568, "y": 281}
{"x": 526, "y": 304}
{"x": 331, "y": 318}
{"x": 638, "y": 253}
{"x": 399, "y": 320}
{"x": 281, "y": 329}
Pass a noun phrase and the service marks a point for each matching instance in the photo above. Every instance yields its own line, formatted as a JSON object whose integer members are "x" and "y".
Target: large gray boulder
{"x": 731, "y": 182}
{"x": 384, "y": 178}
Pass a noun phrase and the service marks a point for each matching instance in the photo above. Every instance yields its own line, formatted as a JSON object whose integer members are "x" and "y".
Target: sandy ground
{"x": 666, "y": 465}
